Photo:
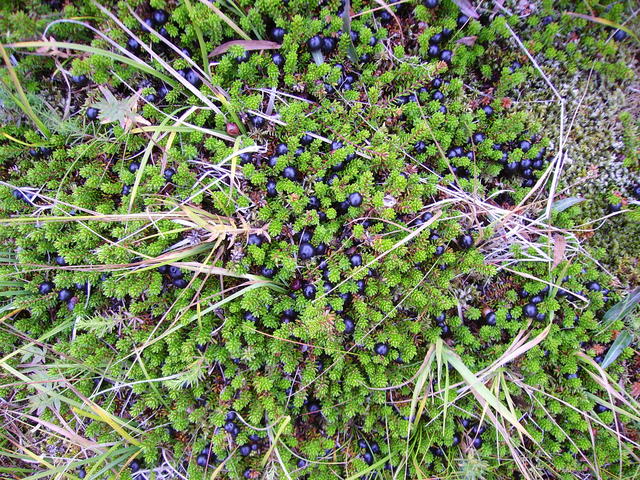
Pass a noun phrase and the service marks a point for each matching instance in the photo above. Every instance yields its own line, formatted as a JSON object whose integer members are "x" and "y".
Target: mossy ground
{"x": 163, "y": 319}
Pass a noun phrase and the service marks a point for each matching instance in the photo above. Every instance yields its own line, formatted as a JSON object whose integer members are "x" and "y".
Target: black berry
{"x": 277, "y": 34}
{"x": 92, "y": 113}
{"x": 159, "y": 17}
{"x": 45, "y": 288}
{"x": 381, "y": 348}
{"x": 355, "y": 199}
{"x": 530, "y": 310}
{"x": 65, "y": 294}
{"x": 305, "y": 251}
{"x": 314, "y": 43}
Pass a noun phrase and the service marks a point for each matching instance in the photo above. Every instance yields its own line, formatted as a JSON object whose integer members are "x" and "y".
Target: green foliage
{"x": 172, "y": 360}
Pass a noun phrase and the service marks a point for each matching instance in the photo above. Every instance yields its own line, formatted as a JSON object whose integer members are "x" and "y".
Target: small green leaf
{"x": 346, "y": 25}
{"x": 621, "y": 309}
{"x": 565, "y": 203}
{"x": 623, "y": 340}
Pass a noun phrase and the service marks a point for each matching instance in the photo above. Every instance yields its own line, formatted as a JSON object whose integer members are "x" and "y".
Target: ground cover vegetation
{"x": 336, "y": 239}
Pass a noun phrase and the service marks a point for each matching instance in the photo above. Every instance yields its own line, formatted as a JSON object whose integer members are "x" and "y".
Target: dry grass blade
{"x": 72, "y": 436}
{"x": 604, "y": 21}
{"x": 424, "y": 372}
{"x": 55, "y": 45}
{"x": 285, "y": 422}
{"x": 29, "y": 453}
{"x": 559, "y": 247}
{"x": 482, "y": 393}
{"x": 247, "y": 44}
{"x": 385, "y": 5}
{"x": 105, "y": 417}
{"x": 605, "y": 382}
{"x": 203, "y": 98}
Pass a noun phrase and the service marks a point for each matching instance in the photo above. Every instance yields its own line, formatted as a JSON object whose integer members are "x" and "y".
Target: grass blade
{"x": 623, "y": 340}
{"x": 283, "y": 425}
{"x": 621, "y": 309}
{"x": 22, "y": 100}
{"x": 52, "y": 44}
{"x": 482, "y": 391}
{"x": 226, "y": 19}
{"x": 604, "y": 21}
{"x": 565, "y": 203}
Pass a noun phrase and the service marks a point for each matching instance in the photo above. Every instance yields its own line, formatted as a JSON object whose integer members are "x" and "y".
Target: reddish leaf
{"x": 559, "y": 246}
{"x": 466, "y": 8}
{"x": 468, "y": 41}
{"x": 635, "y": 389}
{"x": 247, "y": 44}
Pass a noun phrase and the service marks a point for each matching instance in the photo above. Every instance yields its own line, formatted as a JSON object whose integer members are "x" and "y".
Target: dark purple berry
{"x": 271, "y": 188}
{"x": 254, "y": 239}
{"x": 290, "y": 172}
{"x": 446, "y": 55}
{"x": 530, "y": 310}
{"x": 135, "y": 465}
{"x": 277, "y": 34}
{"x": 306, "y": 139}
{"x": 80, "y": 80}
{"x": 159, "y": 17}
{"x": 462, "y": 20}
{"x": 381, "y": 348}
{"x": 620, "y": 35}
{"x": 355, "y": 199}
{"x": 314, "y": 43}
{"x": 180, "y": 283}
{"x": 356, "y": 260}
{"x": 368, "y": 458}
{"x": 328, "y": 44}
{"x": 309, "y": 291}
{"x": 133, "y": 45}
{"x": 277, "y": 59}
{"x": 65, "y": 294}
{"x": 92, "y": 113}
{"x": 175, "y": 272}
{"x": 594, "y": 286}
{"x": 193, "y": 78}
{"x": 45, "y": 288}
{"x": 466, "y": 241}
{"x": 257, "y": 121}
{"x": 305, "y": 251}
{"x": 479, "y": 137}
{"x": 349, "y": 326}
